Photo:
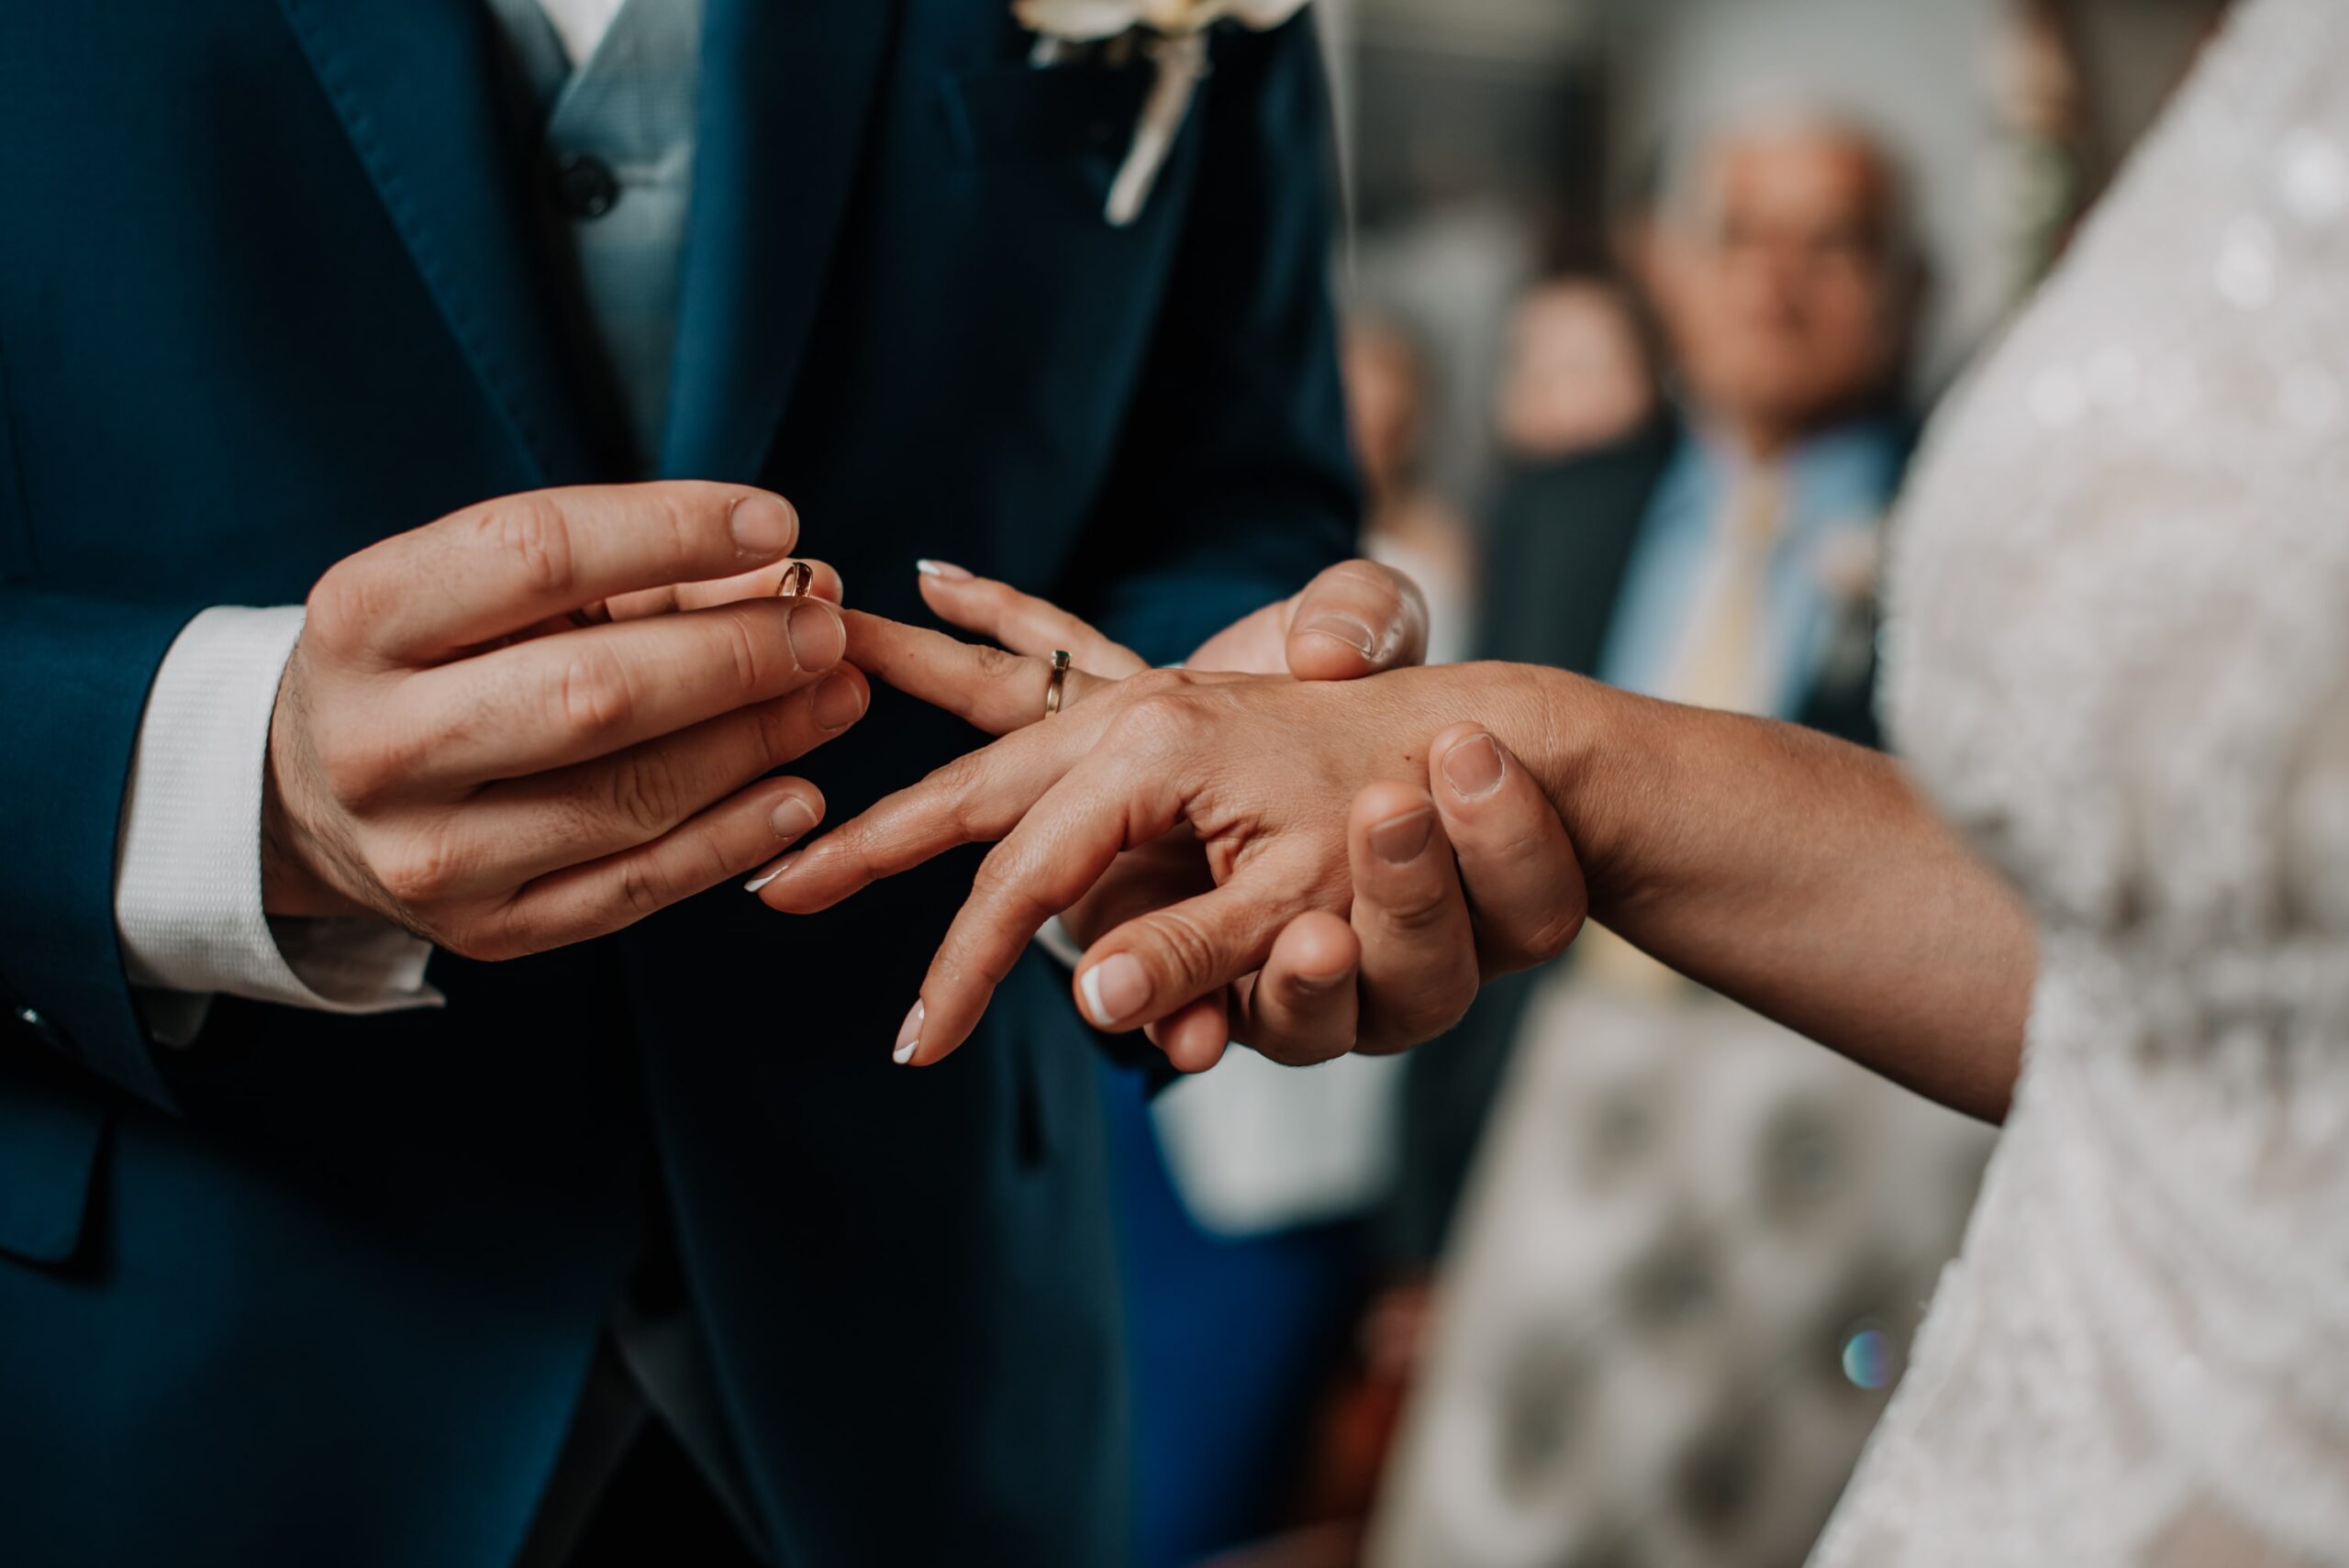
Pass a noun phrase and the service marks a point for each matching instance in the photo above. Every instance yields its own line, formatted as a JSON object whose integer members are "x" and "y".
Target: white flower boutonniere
{"x": 1171, "y": 34}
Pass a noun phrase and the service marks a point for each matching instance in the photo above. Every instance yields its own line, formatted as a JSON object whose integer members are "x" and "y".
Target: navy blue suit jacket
{"x": 274, "y": 285}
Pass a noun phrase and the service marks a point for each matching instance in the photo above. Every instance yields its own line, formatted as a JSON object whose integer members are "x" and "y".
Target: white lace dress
{"x": 2121, "y": 664}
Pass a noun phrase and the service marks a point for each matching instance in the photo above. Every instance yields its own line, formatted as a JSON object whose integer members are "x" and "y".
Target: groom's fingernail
{"x": 945, "y": 571}
{"x": 909, "y": 1034}
{"x": 1346, "y": 629}
{"x": 817, "y": 637}
{"x": 1473, "y": 768}
{"x": 837, "y": 702}
{"x": 1115, "y": 989}
{"x": 764, "y": 527}
{"x": 1399, "y": 839}
{"x": 791, "y": 817}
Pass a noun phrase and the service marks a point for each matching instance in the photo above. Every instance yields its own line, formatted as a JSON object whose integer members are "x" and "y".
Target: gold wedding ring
{"x": 1059, "y": 682}
{"x": 795, "y": 582}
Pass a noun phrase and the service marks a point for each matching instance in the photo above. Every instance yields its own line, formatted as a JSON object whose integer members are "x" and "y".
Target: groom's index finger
{"x": 494, "y": 569}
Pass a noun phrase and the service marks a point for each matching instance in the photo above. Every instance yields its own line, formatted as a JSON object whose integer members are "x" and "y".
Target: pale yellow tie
{"x": 1720, "y": 658}
{"x": 1717, "y": 665}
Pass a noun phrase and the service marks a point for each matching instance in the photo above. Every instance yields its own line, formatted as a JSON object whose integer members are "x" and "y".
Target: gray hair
{"x": 1687, "y": 194}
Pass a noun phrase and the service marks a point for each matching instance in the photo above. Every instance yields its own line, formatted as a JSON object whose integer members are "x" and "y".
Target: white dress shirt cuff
{"x": 187, "y": 881}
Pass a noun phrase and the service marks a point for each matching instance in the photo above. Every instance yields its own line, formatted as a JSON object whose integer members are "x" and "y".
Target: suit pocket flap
{"x": 50, "y": 1133}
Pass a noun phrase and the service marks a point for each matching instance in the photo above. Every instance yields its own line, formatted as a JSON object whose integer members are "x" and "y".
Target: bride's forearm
{"x": 1796, "y": 874}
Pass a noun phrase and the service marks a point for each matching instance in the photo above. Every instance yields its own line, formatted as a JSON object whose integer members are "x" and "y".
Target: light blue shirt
{"x": 1837, "y": 485}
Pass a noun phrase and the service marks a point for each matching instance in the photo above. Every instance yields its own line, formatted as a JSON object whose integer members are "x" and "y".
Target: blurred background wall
{"x": 1489, "y": 141}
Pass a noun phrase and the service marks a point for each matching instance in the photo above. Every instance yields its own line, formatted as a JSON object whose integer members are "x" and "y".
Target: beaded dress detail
{"x": 2119, "y": 663}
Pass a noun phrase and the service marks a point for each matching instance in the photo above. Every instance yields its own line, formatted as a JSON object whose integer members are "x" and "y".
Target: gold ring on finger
{"x": 1058, "y": 683}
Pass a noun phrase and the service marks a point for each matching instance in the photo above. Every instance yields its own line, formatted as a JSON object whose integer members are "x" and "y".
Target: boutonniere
{"x": 1170, "y": 34}
{"x": 1847, "y": 565}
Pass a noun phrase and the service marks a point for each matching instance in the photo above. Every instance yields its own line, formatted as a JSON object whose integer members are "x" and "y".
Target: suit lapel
{"x": 417, "y": 84}
{"x": 787, "y": 97}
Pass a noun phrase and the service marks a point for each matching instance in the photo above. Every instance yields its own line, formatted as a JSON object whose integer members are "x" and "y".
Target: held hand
{"x": 541, "y": 718}
{"x": 1353, "y": 619}
{"x": 1265, "y": 771}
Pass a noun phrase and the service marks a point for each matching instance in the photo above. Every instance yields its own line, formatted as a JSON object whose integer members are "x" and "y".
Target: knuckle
{"x": 775, "y": 732}
{"x": 959, "y": 789}
{"x": 1418, "y": 910}
{"x": 641, "y": 888}
{"x": 479, "y": 945}
{"x": 1431, "y": 1014}
{"x": 1000, "y": 887}
{"x": 590, "y": 694}
{"x": 1187, "y": 952}
{"x": 644, "y": 792}
{"x": 358, "y": 776}
{"x": 339, "y": 605}
{"x": 532, "y": 534}
{"x": 737, "y": 633}
{"x": 683, "y": 512}
{"x": 364, "y": 761}
{"x": 516, "y": 933}
{"x": 1553, "y": 936}
{"x": 1000, "y": 664}
{"x": 1155, "y": 718}
{"x": 421, "y": 869}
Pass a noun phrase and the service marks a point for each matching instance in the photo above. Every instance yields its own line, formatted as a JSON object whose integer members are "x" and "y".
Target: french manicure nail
{"x": 769, "y": 874}
{"x": 909, "y": 1034}
{"x": 763, "y": 527}
{"x": 837, "y": 702}
{"x": 1474, "y": 767}
{"x": 1399, "y": 839}
{"x": 817, "y": 638}
{"x": 1114, "y": 989}
{"x": 944, "y": 571}
{"x": 1346, "y": 629}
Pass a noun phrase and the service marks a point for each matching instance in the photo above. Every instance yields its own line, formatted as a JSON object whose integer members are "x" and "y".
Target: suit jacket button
{"x": 586, "y": 187}
{"x": 41, "y": 1028}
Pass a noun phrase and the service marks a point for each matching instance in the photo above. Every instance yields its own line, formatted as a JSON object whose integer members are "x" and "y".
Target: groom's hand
{"x": 491, "y": 734}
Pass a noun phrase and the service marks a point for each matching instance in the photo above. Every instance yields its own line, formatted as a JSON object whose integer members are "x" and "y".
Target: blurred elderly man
{"x": 1719, "y": 555}
{"x": 1685, "y": 1266}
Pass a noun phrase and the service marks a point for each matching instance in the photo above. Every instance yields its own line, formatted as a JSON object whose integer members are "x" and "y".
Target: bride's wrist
{"x": 1579, "y": 739}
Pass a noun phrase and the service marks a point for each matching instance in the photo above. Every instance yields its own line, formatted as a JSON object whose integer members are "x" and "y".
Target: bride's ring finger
{"x": 997, "y": 692}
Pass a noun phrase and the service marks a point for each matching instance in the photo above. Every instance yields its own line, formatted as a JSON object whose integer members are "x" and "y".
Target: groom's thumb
{"x": 1356, "y": 618}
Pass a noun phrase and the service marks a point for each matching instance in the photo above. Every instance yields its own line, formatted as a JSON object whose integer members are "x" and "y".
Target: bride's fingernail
{"x": 1115, "y": 989}
{"x": 1399, "y": 839}
{"x": 1474, "y": 767}
{"x": 909, "y": 1036}
{"x": 1346, "y": 629}
{"x": 769, "y": 874}
{"x": 945, "y": 571}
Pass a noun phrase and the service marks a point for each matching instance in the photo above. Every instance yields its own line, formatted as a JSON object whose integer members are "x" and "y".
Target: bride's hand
{"x": 1353, "y": 619}
{"x": 1304, "y": 795}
